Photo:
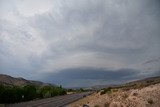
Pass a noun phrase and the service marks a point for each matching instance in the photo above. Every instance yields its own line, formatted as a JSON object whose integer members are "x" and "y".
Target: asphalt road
{"x": 59, "y": 101}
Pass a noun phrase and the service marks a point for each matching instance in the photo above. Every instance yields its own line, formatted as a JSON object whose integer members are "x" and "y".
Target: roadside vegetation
{"x": 78, "y": 90}
{"x": 14, "y": 94}
{"x": 105, "y": 90}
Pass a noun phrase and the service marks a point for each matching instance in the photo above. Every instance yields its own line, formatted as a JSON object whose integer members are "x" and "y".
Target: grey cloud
{"x": 124, "y": 31}
{"x": 152, "y": 60}
{"x": 107, "y": 34}
{"x": 81, "y": 76}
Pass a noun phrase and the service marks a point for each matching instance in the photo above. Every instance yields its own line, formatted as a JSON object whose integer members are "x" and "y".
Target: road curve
{"x": 58, "y": 101}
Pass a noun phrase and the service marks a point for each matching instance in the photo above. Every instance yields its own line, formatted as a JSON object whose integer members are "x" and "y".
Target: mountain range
{"x": 11, "y": 81}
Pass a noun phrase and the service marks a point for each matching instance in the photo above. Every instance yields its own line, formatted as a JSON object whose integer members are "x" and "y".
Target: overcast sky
{"x": 80, "y": 42}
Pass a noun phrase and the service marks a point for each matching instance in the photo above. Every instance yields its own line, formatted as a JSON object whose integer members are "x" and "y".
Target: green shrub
{"x": 47, "y": 94}
{"x": 29, "y": 92}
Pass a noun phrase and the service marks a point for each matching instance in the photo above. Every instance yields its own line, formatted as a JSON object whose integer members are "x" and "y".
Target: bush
{"x": 29, "y": 92}
{"x": 10, "y": 94}
{"x": 102, "y": 92}
{"x": 51, "y": 91}
{"x": 135, "y": 94}
{"x": 47, "y": 94}
{"x": 106, "y": 105}
{"x": 114, "y": 90}
{"x": 106, "y": 90}
{"x": 125, "y": 95}
{"x": 150, "y": 101}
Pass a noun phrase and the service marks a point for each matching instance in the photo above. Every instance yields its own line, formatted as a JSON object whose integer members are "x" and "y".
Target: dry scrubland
{"x": 141, "y": 97}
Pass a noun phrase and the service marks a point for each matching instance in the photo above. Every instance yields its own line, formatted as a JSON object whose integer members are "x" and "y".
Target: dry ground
{"x": 145, "y": 97}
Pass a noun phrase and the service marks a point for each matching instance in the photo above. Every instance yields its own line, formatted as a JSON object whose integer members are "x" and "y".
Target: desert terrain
{"x": 148, "y": 96}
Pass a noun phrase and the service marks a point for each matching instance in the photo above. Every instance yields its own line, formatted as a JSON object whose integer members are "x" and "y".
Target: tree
{"x": 29, "y": 92}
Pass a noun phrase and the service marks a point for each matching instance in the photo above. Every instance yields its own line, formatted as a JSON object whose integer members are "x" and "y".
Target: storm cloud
{"x": 76, "y": 77}
{"x": 62, "y": 36}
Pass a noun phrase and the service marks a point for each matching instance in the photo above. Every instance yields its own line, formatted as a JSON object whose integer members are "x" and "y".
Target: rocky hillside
{"x": 8, "y": 80}
{"x": 145, "y": 97}
{"x": 140, "y": 93}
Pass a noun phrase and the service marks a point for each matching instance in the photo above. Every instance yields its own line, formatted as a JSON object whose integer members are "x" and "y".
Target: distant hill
{"x": 97, "y": 87}
{"x": 137, "y": 83}
{"x": 10, "y": 81}
{"x": 144, "y": 82}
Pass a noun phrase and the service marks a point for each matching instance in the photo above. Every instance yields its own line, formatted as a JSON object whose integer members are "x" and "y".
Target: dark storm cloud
{"x": 86, "y": 73}
{"x": 41, "y": 37}
{"x": 70, "y": 77}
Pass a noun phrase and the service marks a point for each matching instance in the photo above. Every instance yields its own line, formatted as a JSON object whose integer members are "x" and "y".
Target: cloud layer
{"x": 43, "y": 37}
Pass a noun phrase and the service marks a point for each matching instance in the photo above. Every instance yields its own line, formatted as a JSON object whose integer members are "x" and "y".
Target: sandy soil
{"x": 145, "y": 97}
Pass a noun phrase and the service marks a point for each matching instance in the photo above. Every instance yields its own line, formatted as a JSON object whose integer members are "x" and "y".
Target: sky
{"x": 79, "y": 43}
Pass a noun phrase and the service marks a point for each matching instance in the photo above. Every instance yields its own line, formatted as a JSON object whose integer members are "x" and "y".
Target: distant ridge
{"x": 145, "y": 81}
{"x": 11, "y": 81}
{"x": 142, "y": 82}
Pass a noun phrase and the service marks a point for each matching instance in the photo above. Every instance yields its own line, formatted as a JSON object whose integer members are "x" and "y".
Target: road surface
{"x": 59, "y": 101}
